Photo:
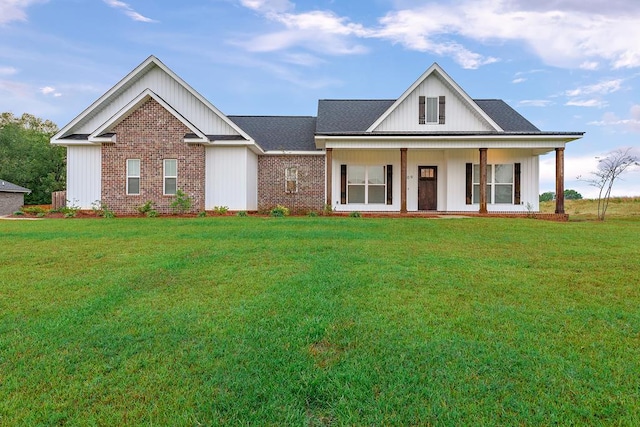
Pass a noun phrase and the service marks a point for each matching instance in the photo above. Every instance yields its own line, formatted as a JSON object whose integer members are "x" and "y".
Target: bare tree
{"x": 609, "y": 170}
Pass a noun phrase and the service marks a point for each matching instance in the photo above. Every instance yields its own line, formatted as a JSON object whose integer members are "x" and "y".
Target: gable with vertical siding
{"x": 459, "y": 114}
{"x": 152, "y": 75}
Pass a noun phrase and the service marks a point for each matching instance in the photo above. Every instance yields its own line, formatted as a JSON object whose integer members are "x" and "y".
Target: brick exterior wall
{"x": 311, "y": 182}
{"x": 151, "y": 134}
{"x": 10, "y": 202}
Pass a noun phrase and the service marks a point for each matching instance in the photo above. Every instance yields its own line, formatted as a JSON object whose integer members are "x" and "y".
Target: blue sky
{"x": 566, "y": 65}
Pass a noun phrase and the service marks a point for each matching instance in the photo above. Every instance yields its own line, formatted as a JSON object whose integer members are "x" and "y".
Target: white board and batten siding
{"x": 459, "y": 116}
{"x": 231, "y": 178}
{"x": 456, "y": 178}
{"x": 84, "y": 173}
{"x": 172, "y": 92}
{"x": 366, "y": 158}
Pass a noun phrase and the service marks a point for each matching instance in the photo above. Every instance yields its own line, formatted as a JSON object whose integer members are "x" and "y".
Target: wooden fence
{"x": 58, "y": 199}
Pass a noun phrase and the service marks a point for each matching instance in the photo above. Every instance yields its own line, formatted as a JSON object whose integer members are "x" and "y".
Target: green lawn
{"x": 317, "y": 321}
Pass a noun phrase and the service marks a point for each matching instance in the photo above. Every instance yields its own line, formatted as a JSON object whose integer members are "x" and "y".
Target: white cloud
{"x": 610, "y": 119}
{"x": 128, "y": 10}
{"x": 322, "y": 21}
{"x": 579, "y": 169}
{"x": 518, "y": 80}
{"x": 268, "y": 5}
{"x": 603, "y": 88}
{"x": 589, "y": 65}
{"x": 319, "y": 31}
{"x": 587, "y": 103}
{"x": 48, "y": 90}
{"x": 15, "y": 10}
{"x": 303, "y": 59}
{"x": 535, "y": 103}
{"x": 582, "y": 166}
{"x": 8, "y": 71}
{"x": 563, "y": 33}
{"x": 422, "y": 29}
{"x": 326, "y": 32}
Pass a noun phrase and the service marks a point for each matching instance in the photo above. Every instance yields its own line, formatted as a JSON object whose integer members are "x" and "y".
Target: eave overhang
{"x": 446, "y": 140}
{"x": 294, "y": 153}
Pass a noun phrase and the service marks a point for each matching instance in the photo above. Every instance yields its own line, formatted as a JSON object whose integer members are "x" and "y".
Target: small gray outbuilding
{"x": 11, "y": 197}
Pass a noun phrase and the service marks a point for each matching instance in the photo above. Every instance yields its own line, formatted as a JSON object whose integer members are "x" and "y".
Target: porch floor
{"x": 451, "y": 215}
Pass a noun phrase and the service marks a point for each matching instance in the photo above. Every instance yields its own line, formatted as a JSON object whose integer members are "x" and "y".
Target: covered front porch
{"x": 437, "y": 179}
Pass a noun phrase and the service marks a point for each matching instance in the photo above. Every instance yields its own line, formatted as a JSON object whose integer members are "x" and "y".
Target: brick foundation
{"x": 151, "y": 134}
{"x": 311, "y": 183}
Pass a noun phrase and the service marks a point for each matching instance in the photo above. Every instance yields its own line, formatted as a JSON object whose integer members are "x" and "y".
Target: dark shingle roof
{"x": 77, "y": 136}
{"x": 273, "y": 133}
{"x": 218, "y": 137}
{"x": 349, "y": 115}
{"x": 85, "y": 136}
{"x": 8, "y": 187}
{"x": 505, "y": 116}
{"x": 352, "y": 115}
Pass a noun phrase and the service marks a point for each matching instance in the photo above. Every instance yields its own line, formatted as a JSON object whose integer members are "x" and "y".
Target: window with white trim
{"x": 170, "y": 176}
{"x": 431, "y": 110}
{"x": 133, "y": 176}
{"x": 291, "y": 180}
{"x": 499, "y": 183}
{"x": 366, "y": 184}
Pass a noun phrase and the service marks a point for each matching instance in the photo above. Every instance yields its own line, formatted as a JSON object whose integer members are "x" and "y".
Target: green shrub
{"x": 181, "y": 202}
{"x": 242, "y": 213}
{"x": 34, "y": 210}
{"x": 153, "y": 213}
{"x": 355, "y": 214}
{"x": 279, "y": 211}
{"x": 101, "y": 209}
{"x": 18, "y": 213}
{"x": 71, "y": 210}
{"x": 202, "y": 214}
{"x": 312, "y": 214}
{"x": 327, "y": 210}
{"x": 146, "y": 208}
{"x": 220, "y": 210}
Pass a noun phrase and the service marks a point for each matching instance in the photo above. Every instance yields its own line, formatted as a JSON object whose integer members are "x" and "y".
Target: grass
{"x": 317, "y": 321}
{"x": 619, "y": 207}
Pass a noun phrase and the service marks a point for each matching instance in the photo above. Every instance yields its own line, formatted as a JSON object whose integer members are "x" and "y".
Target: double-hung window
{"x": 499, "y": 183}
{"x": 503, "y": 184}
{"x": 291, "y": 180}
{"x": 366, "y": 184}
{"x": 170, "y": 176}
{"x": 133, "y": 176}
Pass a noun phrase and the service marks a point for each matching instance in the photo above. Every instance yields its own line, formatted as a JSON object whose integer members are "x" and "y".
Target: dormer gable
{"x": 105, "y": 132}
{"x": 151, "y": 79}
{"x": 434, "y": 103}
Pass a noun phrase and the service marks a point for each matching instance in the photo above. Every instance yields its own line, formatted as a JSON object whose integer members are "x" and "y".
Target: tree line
{"x": 568, "y": 195}
{"x": 28, "y": 159}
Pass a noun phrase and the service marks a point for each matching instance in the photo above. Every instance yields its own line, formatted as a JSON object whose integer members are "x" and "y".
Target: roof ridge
{"x": 356, "y": 99}
{"x": 260, "y": 115}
